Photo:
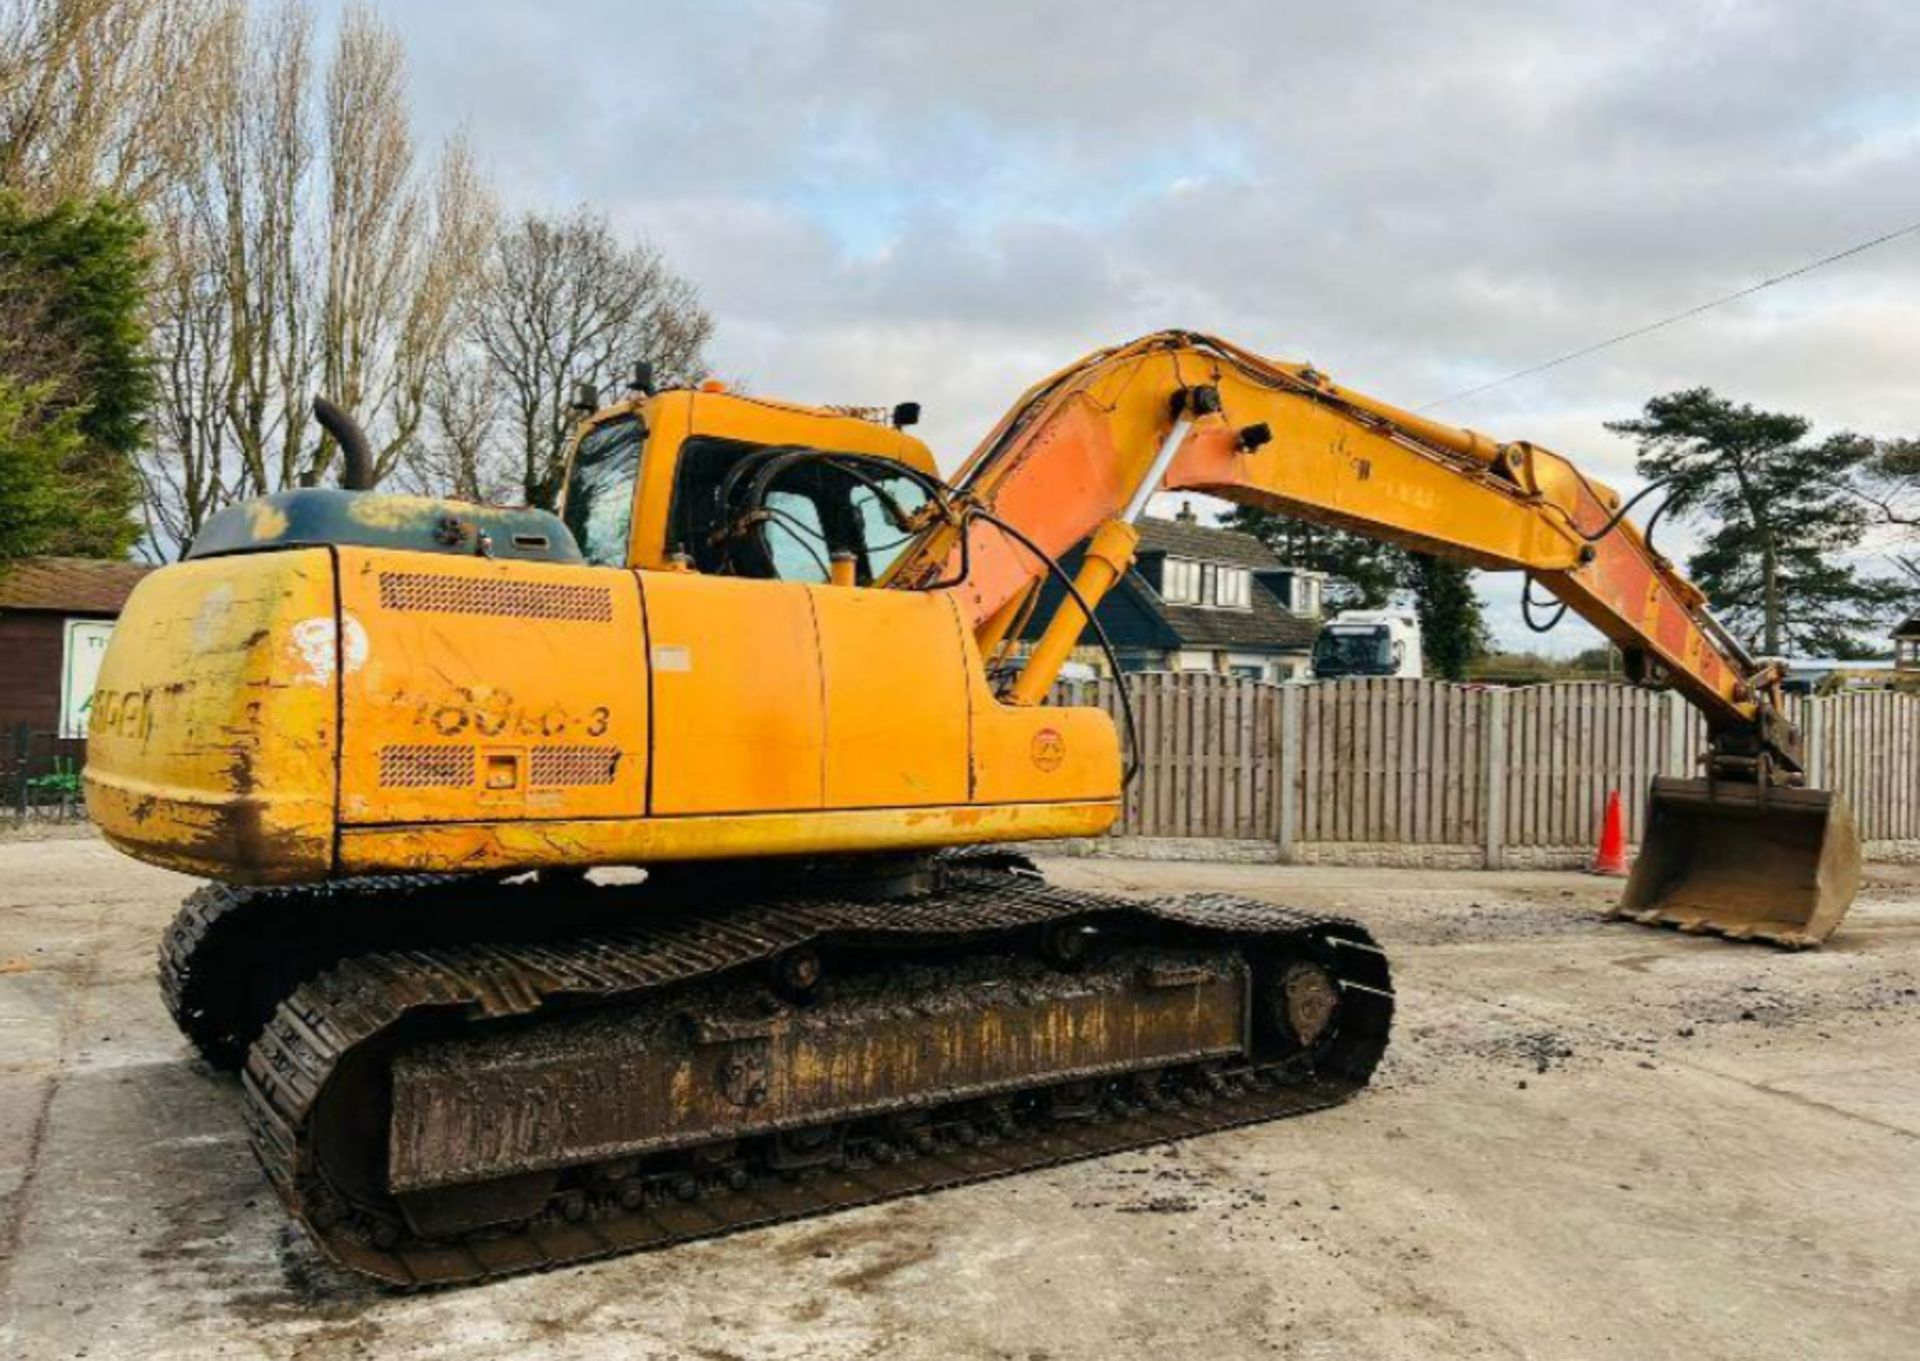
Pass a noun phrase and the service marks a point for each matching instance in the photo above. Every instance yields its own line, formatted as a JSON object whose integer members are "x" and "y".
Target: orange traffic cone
{"x": 1611, "y": 858}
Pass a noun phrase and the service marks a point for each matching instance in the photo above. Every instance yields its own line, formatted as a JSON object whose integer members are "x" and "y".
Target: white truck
{"x": 1368, "y": 643}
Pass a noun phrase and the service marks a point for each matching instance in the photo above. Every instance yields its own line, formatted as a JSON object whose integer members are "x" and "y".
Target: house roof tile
{"x": 1267, "y": 627}
{"x": 1205, "y": 543}
{"x": 72, "y": 585}
{"x": 1135, "y": 616}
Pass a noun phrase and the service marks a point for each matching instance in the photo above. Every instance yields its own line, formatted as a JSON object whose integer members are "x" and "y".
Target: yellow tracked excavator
{"x": 767, "y": 654}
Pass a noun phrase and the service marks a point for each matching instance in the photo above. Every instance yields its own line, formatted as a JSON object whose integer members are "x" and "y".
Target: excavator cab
{"x": 724, "y": 484}
{"x": 1745, "y": 861}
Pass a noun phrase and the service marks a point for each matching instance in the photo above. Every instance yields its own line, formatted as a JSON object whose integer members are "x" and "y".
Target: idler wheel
{"x": 1067, "y": 945}
{"x": 797, "y": 972}
{"x": 1308, "y": 1000}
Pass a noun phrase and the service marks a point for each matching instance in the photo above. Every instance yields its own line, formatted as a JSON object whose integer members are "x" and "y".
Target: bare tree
{"x": 440, "y": 305}
{"x": 373, "y": 219}
{"x": 101, "y": 95}
{"x": 400, "y": 254}
{"x": 304, "y": 244}
{"x": 1888, "y": 484}
{"x": 459, "y": 451}
{"x": 565, "y": 301}
{"x": 253, "y": 197}
{"x": 186, "y": 472}
{"x": 308, "y": 249}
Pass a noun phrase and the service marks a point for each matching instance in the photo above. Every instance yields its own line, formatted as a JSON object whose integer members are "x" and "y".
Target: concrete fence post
{"x": 1493, "y": 735}
{"x": 1814, "y": 751}
{"x": 1680, "y": 753}
{"x": 1287, "y": 797}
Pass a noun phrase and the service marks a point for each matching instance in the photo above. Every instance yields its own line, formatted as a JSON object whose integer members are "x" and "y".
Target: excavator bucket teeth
{"x": 1775, "y": 864}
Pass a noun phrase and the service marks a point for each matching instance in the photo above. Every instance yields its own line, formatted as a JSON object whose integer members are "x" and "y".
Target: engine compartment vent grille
{"x": 433, "y": 593}
{"x": 419, "y": 766}
{"x": 574, "y": 765}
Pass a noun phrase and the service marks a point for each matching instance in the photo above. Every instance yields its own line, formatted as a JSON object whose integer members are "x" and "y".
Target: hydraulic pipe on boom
{"x": 1746, "y": 851}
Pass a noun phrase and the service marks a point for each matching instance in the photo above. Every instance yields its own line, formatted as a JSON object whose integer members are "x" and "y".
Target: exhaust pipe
{"x": 1745, "y": 861}
{"x": 356, "y": 474}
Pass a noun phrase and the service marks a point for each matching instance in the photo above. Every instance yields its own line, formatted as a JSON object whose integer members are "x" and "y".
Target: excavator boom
{"x": 1182, "y": 412}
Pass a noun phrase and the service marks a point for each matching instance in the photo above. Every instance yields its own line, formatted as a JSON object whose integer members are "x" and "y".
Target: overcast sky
{"x": 943, "y": 202}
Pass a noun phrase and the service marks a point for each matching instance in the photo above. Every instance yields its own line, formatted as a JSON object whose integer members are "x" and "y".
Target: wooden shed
{"x": 55, "y": 616}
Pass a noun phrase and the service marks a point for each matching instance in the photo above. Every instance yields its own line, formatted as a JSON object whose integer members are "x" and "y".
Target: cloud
{"x": 945, "y": 202}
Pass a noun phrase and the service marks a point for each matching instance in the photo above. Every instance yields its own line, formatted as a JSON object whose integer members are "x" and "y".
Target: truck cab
{"x": 1368, "y": 643}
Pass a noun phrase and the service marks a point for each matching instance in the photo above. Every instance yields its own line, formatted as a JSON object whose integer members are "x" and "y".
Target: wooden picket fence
{"x": 1867, "y": 745}
{"x": 1507, "y": 773}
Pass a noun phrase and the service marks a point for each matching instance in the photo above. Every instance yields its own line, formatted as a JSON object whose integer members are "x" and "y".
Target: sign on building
{"x": 86, "y": 644}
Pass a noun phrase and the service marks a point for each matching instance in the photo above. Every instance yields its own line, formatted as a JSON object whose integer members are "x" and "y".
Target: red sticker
{"x": 1049, "y": 749}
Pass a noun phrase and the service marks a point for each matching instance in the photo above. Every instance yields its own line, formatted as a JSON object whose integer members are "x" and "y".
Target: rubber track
{"x": 182, "y": 944}
{"x": 211, "y": 953}
{"x": 368, "y": 996}
{"x": 229, "y": 942}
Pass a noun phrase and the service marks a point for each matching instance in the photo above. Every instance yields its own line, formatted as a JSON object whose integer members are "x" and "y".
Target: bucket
{"x": 1745, "y": 861}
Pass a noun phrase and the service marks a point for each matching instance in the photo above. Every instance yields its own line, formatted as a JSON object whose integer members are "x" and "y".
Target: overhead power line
{"x": 1652, "y": 326}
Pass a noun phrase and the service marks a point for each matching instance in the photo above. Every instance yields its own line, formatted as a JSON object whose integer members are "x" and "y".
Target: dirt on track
{"x": 1587, "y": 1140}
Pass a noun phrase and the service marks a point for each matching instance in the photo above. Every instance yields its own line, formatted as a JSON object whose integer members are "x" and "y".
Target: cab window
{"x": 796, "y": 540}
{"x": 600, "y": 491}
{"x": 874, "y": 507}
{"x": 809, "y": 510}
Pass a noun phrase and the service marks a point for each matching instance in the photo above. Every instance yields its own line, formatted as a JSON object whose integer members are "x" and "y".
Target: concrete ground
{"x": 1587, "y": 1141}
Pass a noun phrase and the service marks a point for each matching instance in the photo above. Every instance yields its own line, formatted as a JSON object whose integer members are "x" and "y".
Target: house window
{"x": 1180, "y": 582}
{"x": 1184, "y": 582}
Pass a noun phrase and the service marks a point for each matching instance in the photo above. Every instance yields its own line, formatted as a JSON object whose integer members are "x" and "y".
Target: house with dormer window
{"x": 1202, "y": 598}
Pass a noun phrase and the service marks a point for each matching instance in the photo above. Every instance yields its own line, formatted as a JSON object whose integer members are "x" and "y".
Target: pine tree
{"x": 74, "y": 373}
{"x": 1779, "y": 516}
{"x": 1453, "y": 632}
{"x": 35, "y": 499}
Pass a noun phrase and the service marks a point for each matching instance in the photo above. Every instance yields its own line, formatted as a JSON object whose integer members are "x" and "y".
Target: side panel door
{"x": 896, "y": 687}
{"x": 478, "y": 690}
{"x": 738, "y": 718}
